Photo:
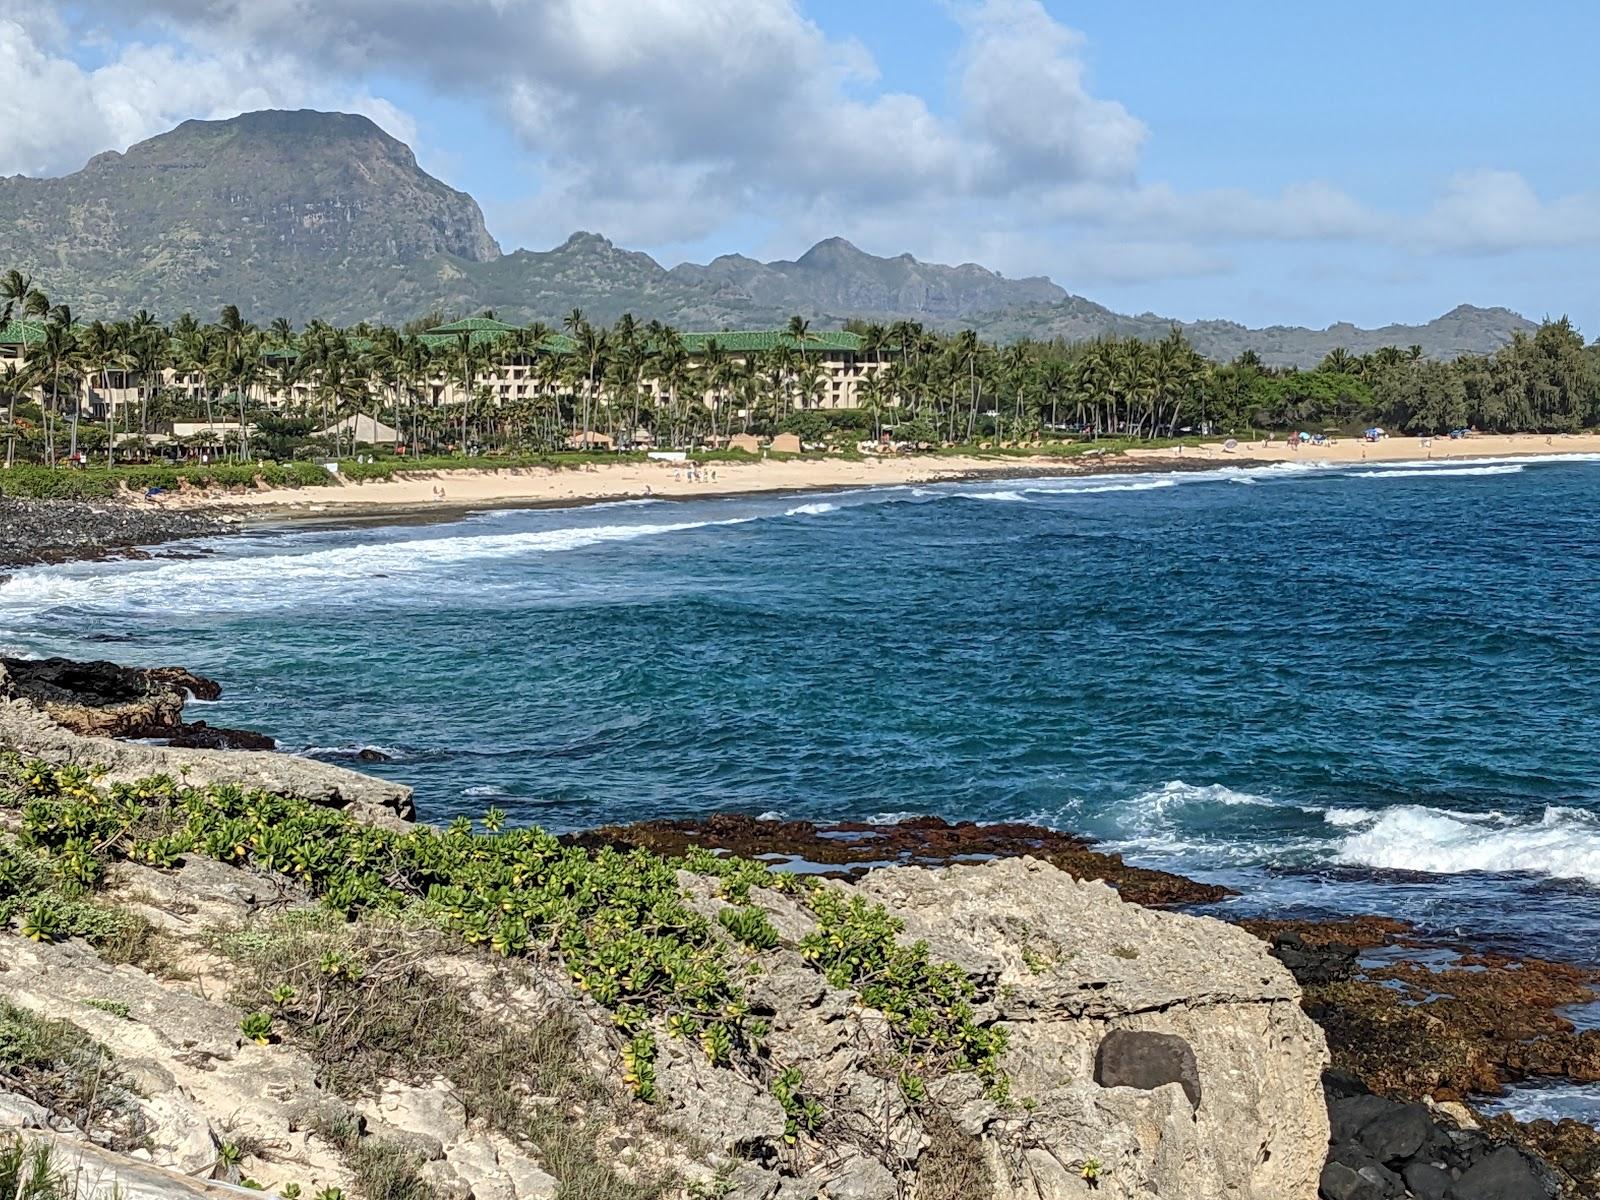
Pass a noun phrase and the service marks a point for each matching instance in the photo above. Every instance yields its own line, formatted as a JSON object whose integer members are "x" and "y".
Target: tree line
{"x": 640, "y": 377}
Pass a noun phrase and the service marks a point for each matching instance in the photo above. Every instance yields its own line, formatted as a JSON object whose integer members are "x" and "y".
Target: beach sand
{"x": 1395, "y": 449}
{"x": 628, "y": 480}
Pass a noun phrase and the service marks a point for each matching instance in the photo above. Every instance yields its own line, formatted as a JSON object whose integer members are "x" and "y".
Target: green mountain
{"x": 308, "y": 214}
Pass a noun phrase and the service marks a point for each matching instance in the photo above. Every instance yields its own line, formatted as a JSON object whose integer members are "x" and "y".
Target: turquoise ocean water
{"x": 1360, "y": 689}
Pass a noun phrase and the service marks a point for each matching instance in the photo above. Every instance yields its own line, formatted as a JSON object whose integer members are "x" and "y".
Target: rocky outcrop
{"x": 1150, "y": 1054}
{"x": 1071, "y": 966}
{"x": 35, "y": 531}
{"x": 103, "y": 699}
{"x": 1386, "y": 1149}
{"x": 1428, "y": 1025}
{"x": 30, "y": 729}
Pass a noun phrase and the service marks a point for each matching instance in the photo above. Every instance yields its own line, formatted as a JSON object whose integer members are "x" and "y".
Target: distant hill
{"x": 308, "y": 214}
{"x": 1463, "y": 330}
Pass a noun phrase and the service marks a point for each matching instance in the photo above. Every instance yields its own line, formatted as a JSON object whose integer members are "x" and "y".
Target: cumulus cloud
{"x": 668, "y": 115}
{"x": 666, "y": 121}
{"x": 1492, "y": 212}
{"x": 55, "y": 114}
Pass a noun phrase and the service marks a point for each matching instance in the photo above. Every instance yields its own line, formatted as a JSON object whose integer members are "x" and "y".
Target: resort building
{"x": 825, "y": 369}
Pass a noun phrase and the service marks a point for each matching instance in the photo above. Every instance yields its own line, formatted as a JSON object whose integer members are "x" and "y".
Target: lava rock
{"x": 35, "y": 531}
{"x": 1397, "y": 1134}
{"x": 1348, "y": 1115}
{"x": 1341, "y": 1181}
{"x": 1427, "y": 1182}
{"x": 1314, "y": 965}
{"x": 1505, "y": 1174}
{"x": 1130, "y": 1058}
{"x": 198, "y": 735}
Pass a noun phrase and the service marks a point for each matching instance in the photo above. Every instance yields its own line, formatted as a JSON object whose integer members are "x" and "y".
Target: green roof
{"x": 745, "y": 341}
{"x": 556, "y": 343}
{"x": 22, "y": 333}
{"x": 473, "y": 325}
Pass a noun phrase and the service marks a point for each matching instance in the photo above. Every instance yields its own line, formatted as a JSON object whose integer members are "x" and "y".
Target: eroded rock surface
{"x": 36, "y": 734}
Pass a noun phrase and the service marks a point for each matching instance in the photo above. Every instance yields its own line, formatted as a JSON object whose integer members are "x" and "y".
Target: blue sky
{"x": 1266, "y": 163}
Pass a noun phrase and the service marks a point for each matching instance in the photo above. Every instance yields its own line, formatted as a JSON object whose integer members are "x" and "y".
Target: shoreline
{"x": 476, "y": 489}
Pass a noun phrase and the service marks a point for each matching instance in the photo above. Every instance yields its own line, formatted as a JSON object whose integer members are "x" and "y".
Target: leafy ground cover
{"x": 617, "y": 922}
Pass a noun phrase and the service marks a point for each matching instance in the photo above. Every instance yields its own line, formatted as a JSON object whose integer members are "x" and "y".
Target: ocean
{"x": 1357, "y": 689}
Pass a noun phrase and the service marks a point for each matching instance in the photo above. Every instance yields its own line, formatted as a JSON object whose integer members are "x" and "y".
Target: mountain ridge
{"x": 308, "y": 214}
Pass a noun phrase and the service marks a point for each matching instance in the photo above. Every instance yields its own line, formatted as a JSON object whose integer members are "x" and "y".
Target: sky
{"x": 1267, "y": 163}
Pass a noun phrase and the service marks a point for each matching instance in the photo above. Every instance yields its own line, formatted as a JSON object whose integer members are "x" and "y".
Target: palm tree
{"x": 15, "y": 382}
{"x": 61, "y": 351}
{"x": 15, "y": 290}
{"x": 466, "y": 363}
{"x": 800, "y": 331}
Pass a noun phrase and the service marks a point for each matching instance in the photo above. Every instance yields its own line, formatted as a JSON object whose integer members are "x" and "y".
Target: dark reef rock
{"x": 1392, "y": 1150}
{"x": 1136, "y": 1059}
{"x": 35, "y": 531}
{"x": 104, "y": 699}
{"x": 855, "y": 848}
{"x": 197, "y": 735}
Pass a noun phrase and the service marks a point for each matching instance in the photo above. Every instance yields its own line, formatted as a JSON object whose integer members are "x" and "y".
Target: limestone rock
{"x": 1069, "y": 963}
{"x": 32, "y": 733}
{"x": 18, "y": 1112}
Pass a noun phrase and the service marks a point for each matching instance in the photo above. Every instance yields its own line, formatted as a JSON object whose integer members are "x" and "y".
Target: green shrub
{"x": 617, "y": 921}
{"x": 749, "y": 926}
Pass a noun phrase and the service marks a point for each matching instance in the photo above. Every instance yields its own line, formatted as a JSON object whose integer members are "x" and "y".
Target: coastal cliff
{"x": 274, "y": 979}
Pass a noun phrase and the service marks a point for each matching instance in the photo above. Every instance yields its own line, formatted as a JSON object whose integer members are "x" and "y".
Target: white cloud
{"x": 55, "y": 114}
{"x": 669, "y": 121}
{"x": 1027, "y": 102}
{"x": 1491, "y": 212}
{"x": 666, "y": 116}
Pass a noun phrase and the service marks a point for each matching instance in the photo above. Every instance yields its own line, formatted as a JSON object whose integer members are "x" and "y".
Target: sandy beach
{"x": 1395, "y": 449}
{"x": 627, "y": 480}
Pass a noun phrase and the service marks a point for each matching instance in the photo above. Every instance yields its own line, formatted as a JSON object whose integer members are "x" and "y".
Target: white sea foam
{"x": 1563, "y": 843}
{"x": 1549, "y": 1102}
{"x": 1158, "y": 815}
{"x": 1343, "y": 818}
{"x": 812, "y": 510}
{"x": 267, "y": 581}
{"x": 1001, "y": 497}
{"x": 484, "y": 789}
{"x": 1430, "y": 472}
{"x": 350, "y": 750}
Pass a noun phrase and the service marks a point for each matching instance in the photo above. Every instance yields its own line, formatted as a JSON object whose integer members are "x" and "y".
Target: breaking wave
{"x": 1430, "y": 472}
{"x": 811, "y": 510}
{"x": 1563, "y": 843}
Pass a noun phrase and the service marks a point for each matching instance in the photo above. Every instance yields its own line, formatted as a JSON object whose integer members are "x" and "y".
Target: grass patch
{"x": 361, "y": 997}
{"x": 952, "y": 1167}
{"x": 383, "y": 1170}
{"x": 59, "y": 1066}
{"x": 28, "y": 1172}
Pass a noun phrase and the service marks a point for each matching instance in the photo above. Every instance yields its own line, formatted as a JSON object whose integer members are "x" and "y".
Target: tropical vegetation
{"x": 480, "y": 387}
{"x": 618, "y": 922}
